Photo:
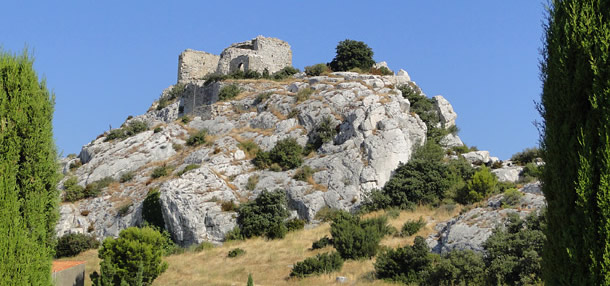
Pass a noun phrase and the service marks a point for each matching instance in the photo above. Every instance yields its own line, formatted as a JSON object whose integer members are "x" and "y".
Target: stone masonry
{"x": 257, "y": 54}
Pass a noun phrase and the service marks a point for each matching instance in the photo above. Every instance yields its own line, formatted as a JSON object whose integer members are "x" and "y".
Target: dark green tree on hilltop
{"x": 575, "y": 107}
{"x": 28, "y": 197}
{"x": 352, "y": 54}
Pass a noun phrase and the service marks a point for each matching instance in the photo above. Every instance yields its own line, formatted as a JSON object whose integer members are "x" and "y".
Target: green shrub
{"x": 197, "y": 138}
{"x": 188, "y": 167}
{"x": 304, "y": 94}
{"x": 482, "y": 184}
{"x": 126, "y": 177}
{"x": 408, "y": 264}
{"x": 185, "y": 119}
{"x": 72, "y": 191}
{"x": 204, "y": 246}
{"x": 303, "y": 174}
{"x": 511, "y": 198}
{"x": 252, "y": 182}
{"x": 262, "y": 97}
{"x": 356, "y": 239}
{"x": 514, "y": 254}
{"x": 459, "y": 267}
{"x": 157, "y": 130}
{"x": 234, "y": 234}
{"x": 252, "y": 74}
{"x": 228, "y": 92}
{"x": 134, "y": 258}
{"x": 285, "y": 73}
{"x": 74, "y": 165}
{"x": 526, "y": 156}
{"x": 411, "y": 227}
{"x": 151, "y": 209}
{"x": 319, "y": 264}
{"x": 214, "y": 77}
{"x": 286, "y": 153}
{"x": 160, "y": 171}
{"x": 321, "y": 243}
{"x": 324, "y": 132}
{"x": 380, "y": 71}
{"x": 392, "y": 212}
{"x": 177, "y": 147}
{"x": 316, "y": 70}
{"x": 74, "y": 243}
{"x": 531, "y": 172}
{"x": 236, "y": 252}
{"x": 250, "y": 280}
{"x": 134, "y": 127}
{"x": 295, "y": 224}
{"x": 352, "y": 54}
{"x": 264, "y": 216}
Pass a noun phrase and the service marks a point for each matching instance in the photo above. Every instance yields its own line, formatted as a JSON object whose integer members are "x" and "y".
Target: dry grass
{"x": 270, "y": 261}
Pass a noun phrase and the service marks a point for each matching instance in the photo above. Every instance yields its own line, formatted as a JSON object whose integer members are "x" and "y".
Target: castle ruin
{"x": 258, "y": 54}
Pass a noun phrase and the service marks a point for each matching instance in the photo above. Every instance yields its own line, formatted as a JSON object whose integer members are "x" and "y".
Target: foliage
{"x": 304, "y": 94}
{"x": 355, "y": 238}
{"x": 528, "y": 155}
{"x": 408, "y": 264}
{"x": 72, "y": 244}
{"x": 425, "y": 108}
{"x": 172, "y": 95}
{"x": 482, "y": 184}
{"x": 303, "y": 174}
{"x": 459, "y": 267}
{"x": 124, "y": 209}
{"x": 73, "y": 192}
{"x": 514, "y": 253}
{"x": 319, "y": 264}
{"x": 324, "y": 132}
{"x": 134, "y": 127}
{"x": 228, "y": 92}
{"x": 134, "y": 258}
{"x": 250, "y": 280}
{"x": 286, "y": 153}
{"x": 316, "y": 70}
{"x": 294, "y": 224}
{"x": 264, "y": 216}
{"x": 197, "y": 138}
{"x": 185, "y": 119}
{"x": 234, "y": 234}
{"x": 511, "y": 197}
{"x": 411, "y": 227}
{"x": 531, "y": 172}
{"x": 352, "y": 54}
{"x": 188, "y": 167}
{"x": 126, "y": 177}
{"x": 235, "y": 252}
{"x": 326, "y": 214}
{"x": 160, "y": 171}
{"x": 285, "y": 72}
{"x": 262, "y": 97}
{"x": 321, "y": 243}
{"x": 380, "y": 71}
{"x": 228, "y": 206}
{"x": 151, "y": 209}
{"x": 252, "y": 182}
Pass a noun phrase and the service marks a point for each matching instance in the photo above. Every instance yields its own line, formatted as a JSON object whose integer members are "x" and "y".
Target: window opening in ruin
{"x": 240, "y": 66}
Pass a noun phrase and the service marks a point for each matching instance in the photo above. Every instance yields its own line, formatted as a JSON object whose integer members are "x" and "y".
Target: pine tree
{"x": 575, "y": 108}
{"x": 28, "y": 174}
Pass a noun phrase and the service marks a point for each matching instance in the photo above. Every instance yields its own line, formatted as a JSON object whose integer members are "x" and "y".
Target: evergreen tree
{"x": 28, "y": 174}
{"x": 575, "y": 108}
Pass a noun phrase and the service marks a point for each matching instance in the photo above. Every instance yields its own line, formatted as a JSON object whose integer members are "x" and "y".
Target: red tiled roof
{"x": 63, "y": 265}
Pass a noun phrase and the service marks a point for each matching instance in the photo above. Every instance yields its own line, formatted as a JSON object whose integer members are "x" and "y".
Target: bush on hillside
{"x": 235, "y": 252}
{"x": 134, "y": 258}
{"x": 304, "y": 94}
{"x": 303, "y": 174}
{"x": 355, "y": 238}
{"x": 286, "y": 72}
{"x": 126, "y": 177}
{"x": 352, "y": 54}
{"x": 408, "y": 264}
{"x": 134, "y": 127}
{"x": 481, "y": 185}
{"x": 72, "y": 244}
{"x": 324, "y": 132}
{"x": 294, "y": 224}
{"x": 151, "y": 209}
{"x": 160, "y": 171}
{"x": 264, "y": 216}
{"x": 458, "y": 267}
{"x": 188, "y": 168}
{"x": 228, "y": 92}
{"x": 319, "y": 264}
{"x": 526, "y": 156}
{"x": 197, "y": 138}
{"x": 72, "y": 191}
{"x": 321, "y": 243}
{"x": 286, "y": 153}
{"x": 411, "y": 227}
{"x": 316, "y": 70}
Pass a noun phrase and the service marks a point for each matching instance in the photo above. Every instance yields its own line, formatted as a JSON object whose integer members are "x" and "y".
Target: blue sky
{"x": 106, "y": 60}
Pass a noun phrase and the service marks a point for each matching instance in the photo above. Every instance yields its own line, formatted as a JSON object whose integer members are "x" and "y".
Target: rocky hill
{"x": 372, "y": 125}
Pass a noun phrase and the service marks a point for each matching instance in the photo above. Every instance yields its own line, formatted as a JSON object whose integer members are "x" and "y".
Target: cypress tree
{"x": 575, "y": 108}
{"x": 28, "y": 174}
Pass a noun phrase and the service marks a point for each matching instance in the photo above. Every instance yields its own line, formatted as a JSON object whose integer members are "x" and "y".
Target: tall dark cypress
{"x": 575, "y": 107}
{"x": 28, "y": 174}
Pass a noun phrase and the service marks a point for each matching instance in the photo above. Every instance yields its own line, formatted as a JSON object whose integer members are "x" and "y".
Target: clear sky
{"x": 106, "y": 60}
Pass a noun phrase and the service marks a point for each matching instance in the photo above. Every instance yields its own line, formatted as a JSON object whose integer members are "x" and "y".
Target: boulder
{"x": 508, "y": 174}
{"x": 477, "y": 157}
{"x": 445, "y": 111}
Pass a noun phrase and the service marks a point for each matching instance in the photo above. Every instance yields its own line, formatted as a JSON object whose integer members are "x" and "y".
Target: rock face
{"x": 445, "y": 111}
{"x": 258, "y": 54}
{"x": 471, "y": 229}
